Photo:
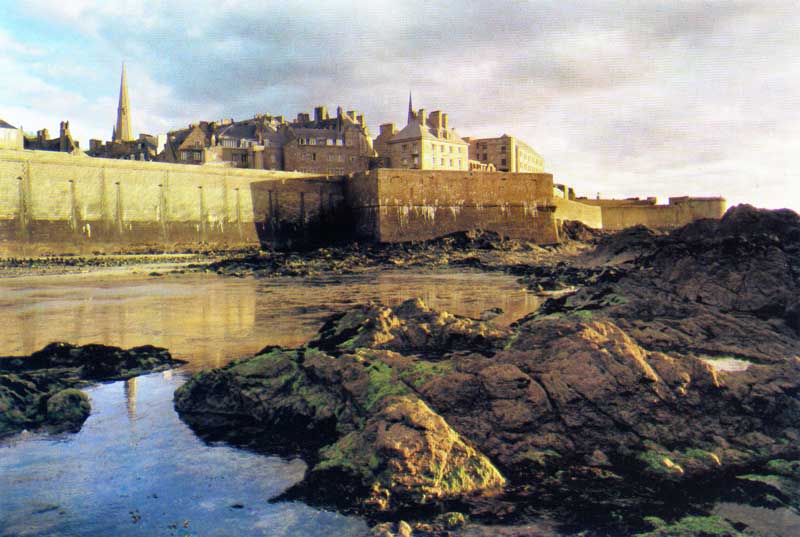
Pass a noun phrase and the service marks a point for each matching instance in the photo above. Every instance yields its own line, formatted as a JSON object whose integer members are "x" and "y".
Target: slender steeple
{"x": 122, "y": 132}
{"x": 410, "y": 108}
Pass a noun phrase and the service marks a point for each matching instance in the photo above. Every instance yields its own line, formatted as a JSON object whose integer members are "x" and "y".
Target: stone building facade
{"x": 10, "y": 136}
{"x": 323, "y": 144}
{"x": 425, "y": 143}
{"x": 338, "y": 145}
{"x": 506, "y": 153}
{"x": 64, "y": 143}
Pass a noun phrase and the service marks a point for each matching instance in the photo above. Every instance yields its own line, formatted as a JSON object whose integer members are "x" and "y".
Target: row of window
{"x": 320, "y": 141}
{"x": 191, "y": 155}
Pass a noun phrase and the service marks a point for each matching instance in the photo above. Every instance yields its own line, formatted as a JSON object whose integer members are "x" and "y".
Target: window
{"x": 503, "y": 162}
{"x": 414, "y": 149}
{"x": 441, "y": 163}
{"x": 313, "y": 156}
{"x": 404, "y": 147}
{"x": 451, "y": 163}
{"x": 502, "y": 149}
{"x": 451, "y": 148}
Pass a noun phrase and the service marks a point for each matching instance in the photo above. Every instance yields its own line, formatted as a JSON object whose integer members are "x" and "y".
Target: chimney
{"x": 435, "y": 120}
{"x": 388, "y": 128}
{"x": 360, "y": 120}
{"x": 444, "y": 122}
{"x": 421, "y": 116}
{"x": 320, "y": 114}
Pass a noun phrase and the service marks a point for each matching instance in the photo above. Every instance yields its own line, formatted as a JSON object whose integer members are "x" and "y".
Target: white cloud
{"x": 666, "y": 98}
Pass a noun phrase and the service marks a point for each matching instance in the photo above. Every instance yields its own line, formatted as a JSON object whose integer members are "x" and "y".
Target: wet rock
{"x": 604, "y": 390}
{"x": 41, "y": 389}
{"x": 392, "y": 529}
{"x": 68, "y": 409}
{"x": 411, "y": 327}
{"x": 406, "y": 455}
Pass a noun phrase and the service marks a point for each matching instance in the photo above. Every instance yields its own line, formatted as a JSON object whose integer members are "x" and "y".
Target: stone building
{"x": 10, "y": 136}
{"x": 64, "y": 143}
{"x": 146, "y": 147}
{"x": 256, "y": 143}
{"x": 330, "y": 145}
{"x": 327, "y": 145}
{"x": 425, "y": 143}
{"x": 506, "y": 153}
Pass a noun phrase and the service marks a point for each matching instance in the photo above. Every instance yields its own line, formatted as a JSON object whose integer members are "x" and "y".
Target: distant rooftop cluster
{"x": 338, "y": 144}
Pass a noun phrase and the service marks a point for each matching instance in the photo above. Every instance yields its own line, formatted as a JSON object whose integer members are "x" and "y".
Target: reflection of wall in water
{"x": 130, "y": 397}
{"x": 192, "y": 319}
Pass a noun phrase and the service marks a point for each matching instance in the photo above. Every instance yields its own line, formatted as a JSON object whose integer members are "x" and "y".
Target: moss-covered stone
{"x": 42, "y": 388}
{"x": 405, "y": 455}
{"x": 68, "y": 408}
{"x": 692, "y": 526}
{"x": 784, "y": 467}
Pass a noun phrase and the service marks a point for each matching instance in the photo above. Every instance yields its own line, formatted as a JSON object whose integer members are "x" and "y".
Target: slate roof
{"x": 238, "y": 131}
{"x": 416, "y": 131}
{"x": 4, "y": 125}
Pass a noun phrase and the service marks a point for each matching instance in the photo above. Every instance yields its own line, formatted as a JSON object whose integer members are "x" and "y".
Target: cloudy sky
{"x": 623, "y": 98}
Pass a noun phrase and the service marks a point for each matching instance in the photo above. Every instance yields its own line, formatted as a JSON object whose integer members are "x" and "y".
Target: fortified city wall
{"x": 396, "y": 205}
{"x": 620, "y": 214}
{"x": 57, "y": 203}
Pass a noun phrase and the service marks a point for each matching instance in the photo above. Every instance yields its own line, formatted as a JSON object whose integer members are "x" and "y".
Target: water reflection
{"x": 210, "y": 320}
{"x": 148, "y": 474}
{"x": 130, "y": 397}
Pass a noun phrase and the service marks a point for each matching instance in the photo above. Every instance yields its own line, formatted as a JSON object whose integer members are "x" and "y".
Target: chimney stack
{"x": 320, "y": 114}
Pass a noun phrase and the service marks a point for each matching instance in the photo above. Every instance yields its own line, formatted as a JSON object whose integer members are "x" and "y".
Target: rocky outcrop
{"x": 726, "y": 288}
{"x": 40, "y": 389}
{"x": 608, "y": 387}
{"x": 379, "y": 445}
{"x": 411, "y": 327}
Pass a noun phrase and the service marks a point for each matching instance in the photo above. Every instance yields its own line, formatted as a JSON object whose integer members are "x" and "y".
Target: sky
{"x": 626, "y": 98}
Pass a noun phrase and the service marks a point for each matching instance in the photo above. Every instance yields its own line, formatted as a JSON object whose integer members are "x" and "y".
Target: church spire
{"x": 410, "y": 108}
{"x": 122, "y": 131}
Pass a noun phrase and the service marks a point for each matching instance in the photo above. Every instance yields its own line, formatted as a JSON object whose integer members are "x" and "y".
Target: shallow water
{"x": 135, "y": 468}
{"x": 210, "y": 320}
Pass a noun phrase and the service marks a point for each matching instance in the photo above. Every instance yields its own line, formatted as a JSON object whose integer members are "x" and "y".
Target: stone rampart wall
{"x": 678, "y": 213}
{"x": 394, "y": 205}
{"x": 58, "y": 203}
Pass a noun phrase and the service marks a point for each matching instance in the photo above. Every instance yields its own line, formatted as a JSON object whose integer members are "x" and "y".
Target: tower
{"x": 122, "y": 131}
{"x": 410, "y": 109}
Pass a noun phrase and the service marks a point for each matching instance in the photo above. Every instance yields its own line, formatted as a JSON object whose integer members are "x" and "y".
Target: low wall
{"x": 394, "y": 205}
{"x": 679, "y": 212}
{"x": 58, "y": 203}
